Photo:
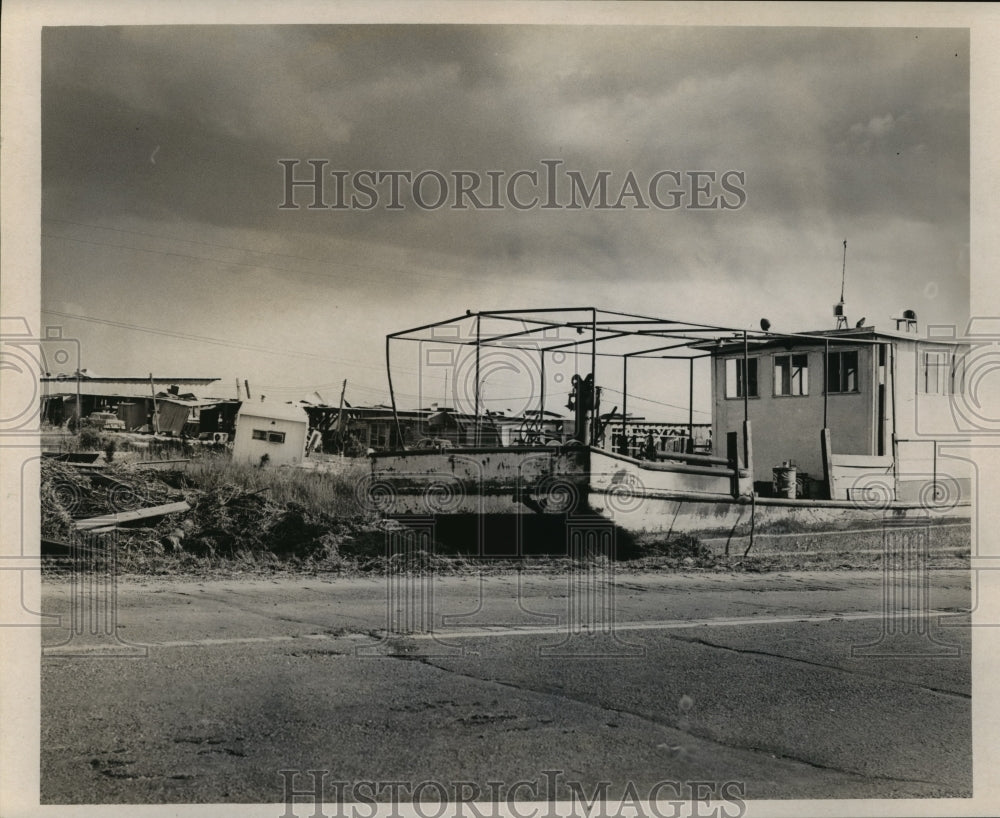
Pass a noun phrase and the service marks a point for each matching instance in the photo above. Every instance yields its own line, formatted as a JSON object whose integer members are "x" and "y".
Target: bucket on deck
{"x": 785, "y": 482}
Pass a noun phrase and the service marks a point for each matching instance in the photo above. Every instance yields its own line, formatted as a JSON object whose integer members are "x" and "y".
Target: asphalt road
{"x": 559, "y": 681}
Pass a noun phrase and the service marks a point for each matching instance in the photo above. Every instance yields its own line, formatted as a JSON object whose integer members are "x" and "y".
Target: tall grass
{"x": 316, "y": 491}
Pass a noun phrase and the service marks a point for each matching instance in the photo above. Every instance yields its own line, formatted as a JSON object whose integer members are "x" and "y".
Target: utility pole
{"x": 340, "y": 417}
{"x": 156, "y": 422}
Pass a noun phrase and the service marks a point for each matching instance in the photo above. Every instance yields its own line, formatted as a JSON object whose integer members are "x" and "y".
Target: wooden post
{"x": 340, "y": 417}
{"x": 152, "y": 388}
{"x": 733, "y": 456}
{"x": 748, "y": 449}
{"x": 246, "y": 383}
{"x": 827, "y": 450}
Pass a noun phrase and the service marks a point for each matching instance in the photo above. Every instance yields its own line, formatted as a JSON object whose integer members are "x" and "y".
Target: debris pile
{"x": 162, "y": 513}
{"x": 228, "y": 520}
{"x": 70, "y": 494}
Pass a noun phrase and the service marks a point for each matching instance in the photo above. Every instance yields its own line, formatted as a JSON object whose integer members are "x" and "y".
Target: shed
{"x": 277, "y": 430}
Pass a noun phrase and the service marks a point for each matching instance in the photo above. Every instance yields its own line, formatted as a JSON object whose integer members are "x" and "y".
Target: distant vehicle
{"x": 214, "y": 437}
{"x": 108, "y": 421}
{"x": 433, "y": 443}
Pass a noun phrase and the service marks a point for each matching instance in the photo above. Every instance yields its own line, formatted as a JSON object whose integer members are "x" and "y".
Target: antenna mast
{"x": 838, "y": 310}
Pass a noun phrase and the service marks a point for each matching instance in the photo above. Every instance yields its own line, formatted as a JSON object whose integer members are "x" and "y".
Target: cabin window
{"x": 842, "y": 371}
{"x": 791, "y": 374}
{"x": 270, "y": 437}
{"x": 259, "y": 434}
{"x": 741, "y": 380}
{"x": 942, "y": 372}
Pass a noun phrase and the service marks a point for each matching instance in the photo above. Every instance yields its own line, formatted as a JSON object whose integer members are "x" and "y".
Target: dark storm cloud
{"x": 830, "y": 126}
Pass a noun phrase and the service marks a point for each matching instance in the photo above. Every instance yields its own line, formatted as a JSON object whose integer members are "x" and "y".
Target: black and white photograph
{"x": 521, "y": 409}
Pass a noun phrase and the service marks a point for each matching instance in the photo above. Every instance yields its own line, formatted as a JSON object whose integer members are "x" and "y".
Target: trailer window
{"x": 270, "y": 437}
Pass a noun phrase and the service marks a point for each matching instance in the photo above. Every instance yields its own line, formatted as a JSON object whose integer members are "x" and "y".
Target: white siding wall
{"x": 248, "y": 450}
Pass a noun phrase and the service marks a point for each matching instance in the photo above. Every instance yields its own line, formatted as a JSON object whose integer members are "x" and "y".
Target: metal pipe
{"x": 826, "y": 380}
{"x": 624, "y": 446}
{"x": 934, "y": 478}
{"x": 746, "y": 378}
{"x": 608, "y": 337}
{"x": 541, "y": 400}
{"x": 668, "y": 325}
{"x": 392, "y": 394}
{"x": 895, "y": 440}
{"x": 476, "y": 438}
{"x": 500, "y": 313}
{"x": 594, "y": 420}
{"x": 691, "y": 403}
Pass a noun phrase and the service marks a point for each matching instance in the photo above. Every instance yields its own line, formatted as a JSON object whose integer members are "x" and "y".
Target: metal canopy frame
{"x": 671, "y": 338}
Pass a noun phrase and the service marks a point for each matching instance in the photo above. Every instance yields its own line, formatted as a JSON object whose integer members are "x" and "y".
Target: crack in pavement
{"x": 772, "y": 752}
{"x": 697, "y": 640}
{"x": 236, "y": 604}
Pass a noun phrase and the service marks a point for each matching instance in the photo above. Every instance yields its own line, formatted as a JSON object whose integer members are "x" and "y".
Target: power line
{"x": 658, "y": 402}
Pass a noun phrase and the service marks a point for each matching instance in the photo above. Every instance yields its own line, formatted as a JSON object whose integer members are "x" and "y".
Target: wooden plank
{"x": 826, "y": 449}
{"x": 163, "y": 465}
{"x": 748, "y": 447}
{"x": 129, "y": 516}
{"x": 732, "y": 454}
{"x": 862, "y": 461}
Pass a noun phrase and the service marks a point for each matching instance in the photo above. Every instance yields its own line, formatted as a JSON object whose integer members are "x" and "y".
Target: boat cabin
{"x": 854, "y": 416}
{"x": 885, "y": 399}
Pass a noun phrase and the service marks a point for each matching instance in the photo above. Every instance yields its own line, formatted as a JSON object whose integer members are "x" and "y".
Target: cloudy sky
{"x": 164, "y": 247}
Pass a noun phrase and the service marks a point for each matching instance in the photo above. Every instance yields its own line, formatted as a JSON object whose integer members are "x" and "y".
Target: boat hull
{"x": 492, "y": 496}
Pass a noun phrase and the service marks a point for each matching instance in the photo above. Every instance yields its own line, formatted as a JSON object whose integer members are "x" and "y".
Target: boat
{"x": 838, "y": 430}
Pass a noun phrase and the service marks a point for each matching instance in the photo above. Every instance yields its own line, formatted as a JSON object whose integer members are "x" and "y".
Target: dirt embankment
{"x": 242, "y": 520}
